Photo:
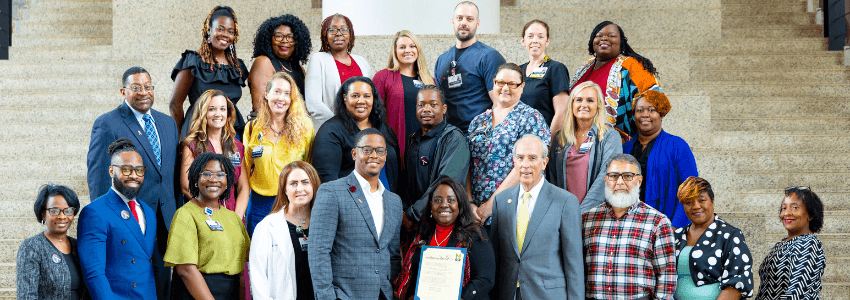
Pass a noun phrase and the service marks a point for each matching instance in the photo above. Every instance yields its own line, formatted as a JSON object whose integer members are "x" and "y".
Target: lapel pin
{"x": 352, "y": 188}
{"x": 509, "y": 200}
{"x": 139, "y": 131}
{"x": 56, "y": 258}
{"x": 125, "y": 215}
{"x": 361, "y": 201}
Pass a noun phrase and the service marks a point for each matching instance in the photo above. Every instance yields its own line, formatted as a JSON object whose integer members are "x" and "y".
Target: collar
{"x": 436, "y": 131}
{"x": 138, "y": 114}
{"x": 366, "y": 187}
{"x": 122, "y": 196}
{"x": 535, "y": 190}
{"x": 631, "y": 210}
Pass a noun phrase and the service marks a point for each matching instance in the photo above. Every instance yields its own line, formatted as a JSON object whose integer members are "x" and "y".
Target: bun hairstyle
{"x": 121, "y": 145}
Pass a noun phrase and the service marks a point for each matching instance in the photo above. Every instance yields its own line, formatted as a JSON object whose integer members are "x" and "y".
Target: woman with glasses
{"x": 212, "y": 131}
{"x": 357, "y": 107}
{"x": 795, "y": 265}
{"x": 47, "y": 265}
{"x": 207, "y": 244}
{"x": 332, "y": 66}
{"x": 492, "y": 136}
{"x": 213, "y": 66}
{"x": 665, "y": 160}
{"x": 282, "y": 44}
{"x": 448, "y": 221}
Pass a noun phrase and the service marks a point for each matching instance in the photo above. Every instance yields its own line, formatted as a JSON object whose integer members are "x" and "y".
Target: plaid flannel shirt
{"x": 631, "y": 257}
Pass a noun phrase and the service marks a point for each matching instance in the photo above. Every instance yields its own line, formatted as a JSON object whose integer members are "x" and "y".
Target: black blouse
{"x": 303, "y": 279}
{"x": 720, "y": 255}
{"x": 538, "y": 92}
{"x": 293, "y": 69}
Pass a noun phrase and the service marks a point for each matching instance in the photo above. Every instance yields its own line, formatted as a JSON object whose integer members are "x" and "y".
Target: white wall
{"x": 386, "y": 17}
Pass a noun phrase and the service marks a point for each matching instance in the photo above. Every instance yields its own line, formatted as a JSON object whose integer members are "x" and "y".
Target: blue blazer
{"x": 158, "y": 188}
{"x": 115, "y": 256}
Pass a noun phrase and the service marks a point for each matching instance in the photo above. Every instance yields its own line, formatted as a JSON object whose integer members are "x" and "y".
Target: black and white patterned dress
{"x": 793, "y": 269}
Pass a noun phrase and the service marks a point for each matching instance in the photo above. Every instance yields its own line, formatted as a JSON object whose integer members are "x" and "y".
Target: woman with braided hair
{"x": 620, "y": 72}
{"x": 213, "y": 66}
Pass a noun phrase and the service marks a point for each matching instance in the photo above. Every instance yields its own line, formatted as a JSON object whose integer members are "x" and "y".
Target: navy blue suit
{"x": 158, "y": 186}
{"x": 116, "y": 258}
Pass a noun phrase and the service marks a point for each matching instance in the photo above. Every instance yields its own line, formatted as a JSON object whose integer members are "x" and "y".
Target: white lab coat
{"x": 271, "y": 260}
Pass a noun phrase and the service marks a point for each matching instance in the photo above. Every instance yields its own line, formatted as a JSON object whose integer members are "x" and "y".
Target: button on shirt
{"x": 141, "y": 121}
{"x": 375, "y": 201}
{"x": 139, "y": 211}
{"x": 535, "y": 191}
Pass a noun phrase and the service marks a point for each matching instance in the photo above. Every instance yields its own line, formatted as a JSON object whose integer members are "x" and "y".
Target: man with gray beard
{"x": 628, "y": 245}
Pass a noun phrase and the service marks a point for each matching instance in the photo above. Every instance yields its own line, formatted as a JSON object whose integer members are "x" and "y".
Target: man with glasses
{"x": 354, "y": 237}
{"x": 154, "y": 135}
{"x": 628, "y": 245}
{"x": 465, "y": 72}
{"x": 117, "y": 232}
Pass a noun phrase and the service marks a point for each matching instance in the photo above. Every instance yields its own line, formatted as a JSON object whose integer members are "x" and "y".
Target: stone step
{"x": 61, "y": 41}
{"x": 783, "y": 32}
{"x": 746, "y": 46}
{"x": 837, "y": 270}
{"x": 838, "y": 290}
{"x": 57, "y": 169}
{"x": 756, "y": 21}
{"x": 781, "y": 142}
{"x": 16, "y": 188}
{"x": 763, "y": 90}
{"x": 818, "y": 180}
{"x": 749, "y": 9}
{"x": 69, "y": 17}
{"x": 64, "y": 100}
{"x": 39, "y": 151}
{"x": 9, "y": 251}
{"x": 19, "y": 53}
{"x": 763, "y": 2}
{"x": 777, "y": 163}
{"x": 7, "y": 274}
{"x": 18, "y": 69}
{"x": 59, "y": 133}
{"x": 790, "y": 63}
{"x": 53, "y": 116}
{"x": 23, "y": 208}
{"x": 12, "y": 85}
{"x": 34, "y": 28}
{"x": 73, "y": 6}
{"x": 779, "y": 123}
{"x": 24, "y": 228}
{"x": 805, "y": 76}
{"x": 759, "y": 107}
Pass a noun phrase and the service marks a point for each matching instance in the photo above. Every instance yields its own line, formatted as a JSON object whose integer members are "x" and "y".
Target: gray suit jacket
{"x": 347, "y": 260}
{"x": 552, "y": 262}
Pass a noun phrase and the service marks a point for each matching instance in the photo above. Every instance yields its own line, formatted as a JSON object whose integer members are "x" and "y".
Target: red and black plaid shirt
{"x": 629, "y": 257}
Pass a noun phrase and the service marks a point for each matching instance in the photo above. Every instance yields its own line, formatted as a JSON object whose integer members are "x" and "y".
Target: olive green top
{"x": 191, "y": 241}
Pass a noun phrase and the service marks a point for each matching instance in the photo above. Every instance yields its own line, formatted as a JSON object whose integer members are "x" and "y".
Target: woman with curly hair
{"x": 212, "y": 130}
{"x": 620, "y": 72}
{"x": 213, "y": 66}
{"x": 331, "y": 66}
{"x": 282, "y": 133}
{"x": 282, "y": 44}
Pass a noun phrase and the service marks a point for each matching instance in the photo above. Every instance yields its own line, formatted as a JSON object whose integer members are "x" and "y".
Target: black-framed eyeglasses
{"x": 139, "y": 89}
{"x": 68, "y": 211}
{"x": 627, "y": 176}
{"x": 367, "y": 150}
{"x": 126, "y": 170}
{"x": 510, "y": 84}
{"x": 210, "y": 175}
{"x": 285, "y": 37}
{"x": 342, "y": 31}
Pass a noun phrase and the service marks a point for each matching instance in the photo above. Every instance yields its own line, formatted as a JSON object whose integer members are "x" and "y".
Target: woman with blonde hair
{"x": 399, "y": 84}
{"x": 211, "y": 130}
{"x": 282, "y": 133}
{"x": 581, "y": 148}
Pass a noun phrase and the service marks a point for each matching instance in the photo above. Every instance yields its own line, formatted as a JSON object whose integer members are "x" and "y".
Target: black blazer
{"x": 332, "y": 152}
{"x": 39, "y": 276}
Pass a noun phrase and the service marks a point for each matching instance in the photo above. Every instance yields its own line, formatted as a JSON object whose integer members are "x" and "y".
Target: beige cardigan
{"x": 322, "y": 83}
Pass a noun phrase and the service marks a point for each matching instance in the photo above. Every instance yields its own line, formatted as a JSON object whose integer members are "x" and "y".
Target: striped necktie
{"x": 150, "y": 131}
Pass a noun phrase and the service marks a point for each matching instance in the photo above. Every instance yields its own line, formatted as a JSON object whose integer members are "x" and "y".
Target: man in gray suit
{"x": 536, "y": 233}
{"x": 354, "y": 237}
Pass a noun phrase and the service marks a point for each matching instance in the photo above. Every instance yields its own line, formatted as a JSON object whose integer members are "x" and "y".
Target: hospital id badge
{"x": 236, "y": 159}
{"x": 538, "y": 72}
{"x": 585, "y": 147}
{"x": 257, "y": 151}
{"x": 303, "y": 242}
{"x": 455, "y": 81}
{"x": 214, "y": 225}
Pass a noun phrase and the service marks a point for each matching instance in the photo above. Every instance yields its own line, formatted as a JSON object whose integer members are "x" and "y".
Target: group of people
{"x": 558, "y": 188}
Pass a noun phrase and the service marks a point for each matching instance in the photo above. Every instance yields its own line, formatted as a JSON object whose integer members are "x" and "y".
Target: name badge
{"x": 418, "y": 84}
{"x": 455, "y": 81}
{"x": 303, "y": 242}
{"x": 236, "y": 160}
{"x": 585, "y": 147}
{"x": 538, "y": 72}
{"x": 214, "y": 225}
{"x": 257, "y": 152}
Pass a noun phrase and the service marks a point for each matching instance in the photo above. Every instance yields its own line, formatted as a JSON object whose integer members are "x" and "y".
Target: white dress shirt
{"x": 139, "y": 211}
{"x": 535, "y": 191}
{"x": 375, "y": 201}
{"x": 271, "y": 260}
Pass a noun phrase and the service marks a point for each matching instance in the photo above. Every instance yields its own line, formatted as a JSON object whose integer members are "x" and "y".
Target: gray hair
{"x": 536, "y": 139}
{"x": 624, "y": 158}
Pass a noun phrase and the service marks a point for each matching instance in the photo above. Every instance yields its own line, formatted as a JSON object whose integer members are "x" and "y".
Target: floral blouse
{"x": 793, "y": 269}
{"x": 720, "y": 255}
{"x": 491, "y": 147}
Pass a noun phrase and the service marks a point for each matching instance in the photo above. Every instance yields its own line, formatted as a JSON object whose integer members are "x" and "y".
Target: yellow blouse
{"x": 191, "y": 241}
{"x": 266, "y": 169}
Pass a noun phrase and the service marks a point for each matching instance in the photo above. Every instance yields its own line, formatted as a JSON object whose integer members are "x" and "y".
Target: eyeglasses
{"x": 791, "y": 189}
{"x": 286, "y": 37}
{"x": 367, "y": 150}
{"x": 127, "y": 169}
{"x": 139, "y": 89}
{"x": 342, "y": 31}
{"x": 510, "y": 84}
{"x": 440, "y": 201}
{"x": 627, "y": 176}
{"x": 68, "y": 211}
{"x": 209, "y": 175}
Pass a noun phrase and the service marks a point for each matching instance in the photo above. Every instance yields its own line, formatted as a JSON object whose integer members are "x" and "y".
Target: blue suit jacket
{"x": 347, "y": 259}
{"x": 158, "y": 188}
{"x": 115, "y": 256}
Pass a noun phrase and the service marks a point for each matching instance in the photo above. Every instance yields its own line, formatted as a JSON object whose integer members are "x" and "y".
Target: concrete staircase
{"x": 779, "y": 118}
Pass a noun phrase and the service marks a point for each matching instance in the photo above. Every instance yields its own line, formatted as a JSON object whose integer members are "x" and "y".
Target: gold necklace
{"x": 444, "y": 240}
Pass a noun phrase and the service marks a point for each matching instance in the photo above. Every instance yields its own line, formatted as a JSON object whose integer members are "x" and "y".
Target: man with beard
{"x": 436, "y": 150}
{"x": 465, "y": 72}
{"x": 628, "y": 245}
{"x": 155, "y": 137}
{"x": 354, "y": 232}
{"x": 117, "y": 232}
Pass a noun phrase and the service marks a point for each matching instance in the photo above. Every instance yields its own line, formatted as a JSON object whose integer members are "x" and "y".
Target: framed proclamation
{"x": 440, "y": 273}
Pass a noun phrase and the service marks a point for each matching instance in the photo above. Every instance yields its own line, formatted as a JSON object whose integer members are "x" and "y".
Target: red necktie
{"x": 133, "y": 210}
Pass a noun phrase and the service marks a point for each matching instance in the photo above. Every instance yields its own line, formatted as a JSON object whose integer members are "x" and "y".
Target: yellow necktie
{"x": 522, "y": 220}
